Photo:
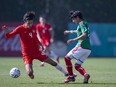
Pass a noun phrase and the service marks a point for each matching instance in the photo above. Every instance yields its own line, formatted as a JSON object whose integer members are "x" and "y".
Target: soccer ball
{"x": 14, "y": 72}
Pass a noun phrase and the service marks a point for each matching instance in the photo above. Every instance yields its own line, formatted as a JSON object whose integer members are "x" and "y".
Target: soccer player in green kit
{"x": 81, "y": 51}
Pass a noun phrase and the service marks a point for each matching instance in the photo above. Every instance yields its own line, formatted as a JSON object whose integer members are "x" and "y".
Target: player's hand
{"x": 70, "y": 41}
{"x": 66, "y": 32}
{"x": 41, "y": 48}
{"x": 51, "y": 40}
{"x": 4, "y": 28}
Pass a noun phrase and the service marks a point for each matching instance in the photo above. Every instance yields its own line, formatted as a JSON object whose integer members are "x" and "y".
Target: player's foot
{"x": 86, "y": 78}
{"x": 41, "y": 65}
{"x": 75, "y": 75}
{"x": 69, "y": 79}
{"x": 57, "y": 60}
{"x": 32, "y": 76}
{"x": 66, "y": 74}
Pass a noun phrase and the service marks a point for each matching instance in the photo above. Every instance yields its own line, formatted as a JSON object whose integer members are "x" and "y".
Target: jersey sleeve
{"x": 83, "y": 28}
{"x": 13, "y": 33}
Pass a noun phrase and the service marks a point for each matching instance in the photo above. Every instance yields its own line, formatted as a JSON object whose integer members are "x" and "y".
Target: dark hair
{"x": 29, "y": 15}
{"x": 77, "y": 13}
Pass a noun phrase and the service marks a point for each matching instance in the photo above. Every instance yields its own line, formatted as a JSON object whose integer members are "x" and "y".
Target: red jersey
{"x": 28, "y": 38}
{"x": 44, "y": 31}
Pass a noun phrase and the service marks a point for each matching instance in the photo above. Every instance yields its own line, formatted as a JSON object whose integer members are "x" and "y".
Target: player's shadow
{"x": 77, "y": 83}
{"x": 104, "y": 83}
{"x": 71, "y": 83}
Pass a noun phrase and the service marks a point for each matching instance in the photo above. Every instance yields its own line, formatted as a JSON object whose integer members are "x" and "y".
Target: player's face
{"x": 42, "y": 20}
{"x": 29, "y": 23}
{"x": 75, "y": 20}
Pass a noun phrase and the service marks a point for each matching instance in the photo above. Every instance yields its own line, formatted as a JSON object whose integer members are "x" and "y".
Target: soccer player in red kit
{"x": 45, "y": 34}
{"x": 30, "y": 44}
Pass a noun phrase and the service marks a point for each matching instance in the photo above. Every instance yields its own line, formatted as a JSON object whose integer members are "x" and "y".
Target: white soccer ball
{"x": 15, "y": 72}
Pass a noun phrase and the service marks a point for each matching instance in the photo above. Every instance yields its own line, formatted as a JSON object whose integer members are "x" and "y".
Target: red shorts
{"x": 29, "y": 59}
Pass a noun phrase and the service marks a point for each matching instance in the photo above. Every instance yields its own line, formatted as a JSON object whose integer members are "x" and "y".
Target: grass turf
{"x": 102, "y": 71}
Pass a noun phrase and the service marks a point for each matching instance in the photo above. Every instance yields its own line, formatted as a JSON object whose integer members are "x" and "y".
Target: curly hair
{"x": 77, "y": 13}
{"x": 30, "y": 15}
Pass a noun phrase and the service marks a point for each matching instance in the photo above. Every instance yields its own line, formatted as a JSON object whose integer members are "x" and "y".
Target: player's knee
{"x": 77, "y": 66}
{"x": 66, "y": 58}
{"x": 67, "y": 61}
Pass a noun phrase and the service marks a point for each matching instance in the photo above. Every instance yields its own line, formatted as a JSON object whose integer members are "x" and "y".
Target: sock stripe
{"x": 80, "y": 60}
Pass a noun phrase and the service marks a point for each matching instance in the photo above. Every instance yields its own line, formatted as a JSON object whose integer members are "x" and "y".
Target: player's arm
{"x": 10, "y": 34}
{"x": 41, "y": 47}
{"x": 38, "y": 36}
{"x": 52, "y": 34}
{"x": 70, "y": 31}
{"x": 38, "y": 39}
{"x": 81, "y": 37}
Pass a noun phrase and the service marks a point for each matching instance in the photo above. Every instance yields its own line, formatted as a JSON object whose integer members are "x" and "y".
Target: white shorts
{"x": 79, "y": 54}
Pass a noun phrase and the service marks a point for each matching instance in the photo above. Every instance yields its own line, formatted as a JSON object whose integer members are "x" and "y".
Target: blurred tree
{"x": 57, "y": 11}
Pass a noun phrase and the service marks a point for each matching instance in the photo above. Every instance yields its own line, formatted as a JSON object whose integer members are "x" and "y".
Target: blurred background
{"x": 100, "y": 14}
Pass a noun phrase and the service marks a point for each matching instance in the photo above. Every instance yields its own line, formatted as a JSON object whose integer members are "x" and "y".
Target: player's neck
{"x": 26, "y": 26}
{"x": 43, "y": 24}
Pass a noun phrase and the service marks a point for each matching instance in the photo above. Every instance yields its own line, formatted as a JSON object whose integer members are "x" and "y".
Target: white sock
{"x": 53, "y": 55}
{"x": 60, "y": 68}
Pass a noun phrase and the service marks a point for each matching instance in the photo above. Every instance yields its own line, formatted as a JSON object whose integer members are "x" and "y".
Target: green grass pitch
{"x": 102, "y": 71}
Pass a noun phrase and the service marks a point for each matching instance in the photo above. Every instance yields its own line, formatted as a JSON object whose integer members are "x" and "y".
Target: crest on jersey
{"x": 43, "y": 31}
{"x": 33, "y": 31}
{"x": 30, "y": 34}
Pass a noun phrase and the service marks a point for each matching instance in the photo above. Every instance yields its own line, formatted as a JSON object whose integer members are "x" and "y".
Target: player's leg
{"x": 44, "y": 58}
{"x": 81, "y": 58}
{"x": 83, "y": 72}
{"x": 53, "y": 54}
{"x": 29, "y": 70}
{"x": 69, "y": 67}
{"x": 28, "y": 66}
{"x": 56, "y": 65}
{"x": 49, "y": 52}
{"x": 42, "y": 64}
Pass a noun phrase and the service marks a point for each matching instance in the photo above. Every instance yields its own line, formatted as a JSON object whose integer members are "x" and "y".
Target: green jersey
{"x": 83, "y": 27}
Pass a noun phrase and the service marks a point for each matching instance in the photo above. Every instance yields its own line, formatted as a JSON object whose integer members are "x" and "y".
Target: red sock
{"x": 80, "y": 69}
{"x": 69, "y": 66}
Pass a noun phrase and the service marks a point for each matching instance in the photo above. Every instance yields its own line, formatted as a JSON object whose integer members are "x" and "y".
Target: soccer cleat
{"x": 75, "y": 75}
{"x": 32, "y": 76}
{"x": 41, "y": 65}
{"x": 66, "y": 74}
{"x": 69, "y": 79}
{"x": 86, "y": 78}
